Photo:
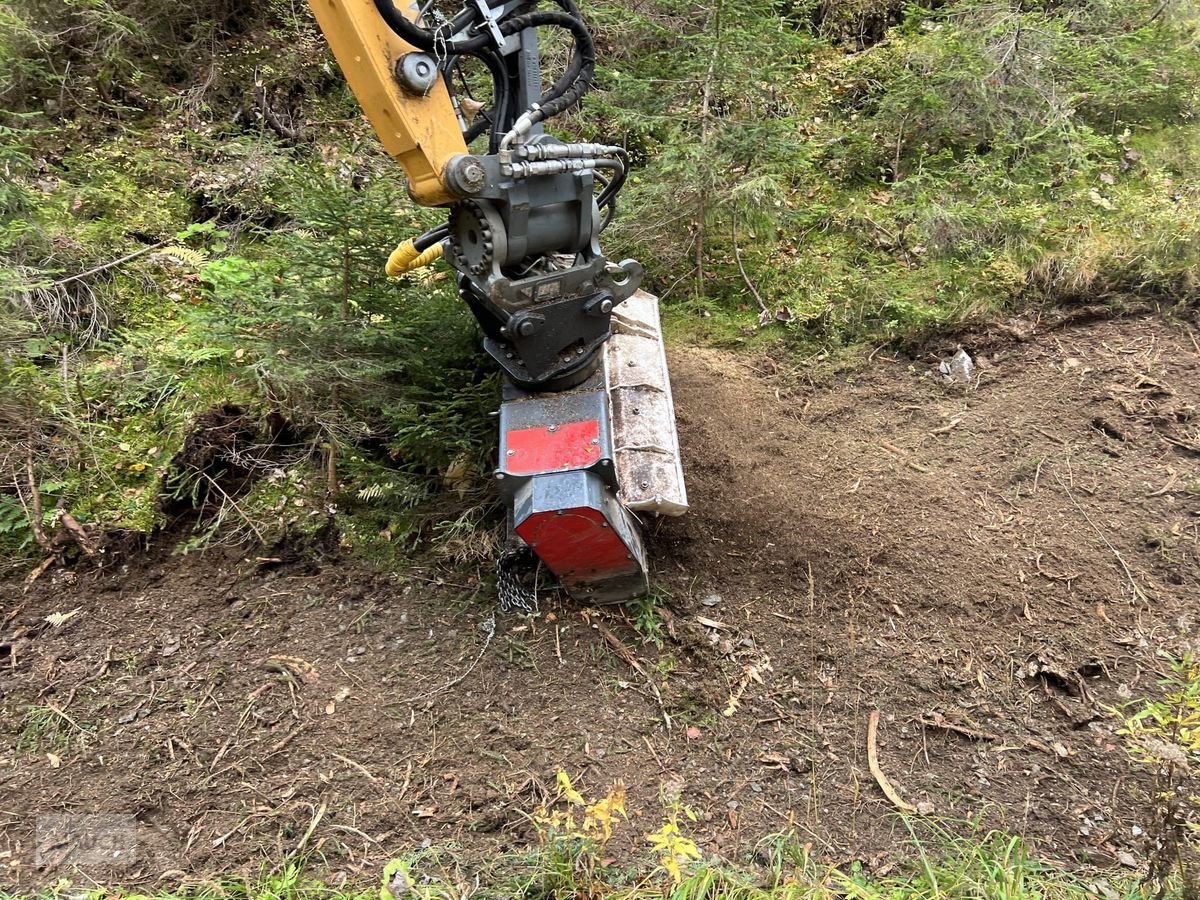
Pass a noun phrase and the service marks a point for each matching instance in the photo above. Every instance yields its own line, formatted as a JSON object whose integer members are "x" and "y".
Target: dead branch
{"x": 78, "y": 532}
{"x": 737, "y": 254}
{"x": 627, "y": 655}
{"x": 35, "y": 501}
{"x": 937, "y": 720}
{"x": 1051, "y": 576}
{"x": 873, "y": 763}
{"x": 276, "y": 124}
{"x": 108, "y": 265}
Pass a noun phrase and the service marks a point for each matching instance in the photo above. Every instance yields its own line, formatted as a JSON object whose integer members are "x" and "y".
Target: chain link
{"x": 512, "y": 568}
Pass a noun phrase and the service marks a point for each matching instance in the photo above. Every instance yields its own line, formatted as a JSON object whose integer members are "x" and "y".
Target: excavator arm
{"x": 587, "y": 428}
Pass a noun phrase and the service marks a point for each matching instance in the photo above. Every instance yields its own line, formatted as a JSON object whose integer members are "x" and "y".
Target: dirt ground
{"x": 991, "y": 568}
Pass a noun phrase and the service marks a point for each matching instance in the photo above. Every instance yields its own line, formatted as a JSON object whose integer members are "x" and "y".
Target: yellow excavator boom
{"x": 421, "y": 132}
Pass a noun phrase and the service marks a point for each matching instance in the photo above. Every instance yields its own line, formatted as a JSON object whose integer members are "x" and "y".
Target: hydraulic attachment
{"x": 588, "y": 440}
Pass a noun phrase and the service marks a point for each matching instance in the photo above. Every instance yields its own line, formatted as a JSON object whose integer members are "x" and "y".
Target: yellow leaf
{"x": 567, "y": 790}
{"x": 602, "y": 814}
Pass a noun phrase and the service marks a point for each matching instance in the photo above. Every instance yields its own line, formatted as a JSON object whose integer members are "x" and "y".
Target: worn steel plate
{"x": 645, "y": 441}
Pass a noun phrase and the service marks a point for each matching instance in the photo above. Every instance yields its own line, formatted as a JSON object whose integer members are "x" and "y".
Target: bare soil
{"x": 992, "y": 568}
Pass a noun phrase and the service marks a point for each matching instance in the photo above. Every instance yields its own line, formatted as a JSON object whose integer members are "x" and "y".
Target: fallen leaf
{"x": 424, "y": 812}
{"x": 59, "y": 619}
{"x": 55, "y": 760}
{"x": 292, "y": 665}
{"x": 774, "y": 759}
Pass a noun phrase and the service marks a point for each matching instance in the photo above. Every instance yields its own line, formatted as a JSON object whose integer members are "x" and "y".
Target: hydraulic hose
{"x": 423, "y": 38}
{"x": 577, "y": 80}
{"x": 407, "y": 257}
{"x": 432, "y": 236}
{"x": 493, "y": 118}
{"x": 563, "y": 94}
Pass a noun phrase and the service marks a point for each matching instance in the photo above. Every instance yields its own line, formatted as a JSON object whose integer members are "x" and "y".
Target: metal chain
{"x": 514, "y": 564}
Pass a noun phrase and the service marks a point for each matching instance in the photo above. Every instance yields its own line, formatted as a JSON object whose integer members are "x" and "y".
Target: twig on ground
{"x": 78, "y": 532}
{"x": 38, "y": 571}
{"x": 217, "y": 842}
{"x": 407, "y": 781}
{"x": 66, "y": 718}
{"x": 1183, "y": 445}
{"x": 100, "y": 672}
{"x": 489, "y": 626}
{"x": 1138, "y": 593}
{"x": 937, "y": 720}
{"x": 1068, "y": 578}
{"x": 1046, "y": 434}
{"x": 352, "y": 764}
{"x": 946, "y": 429}
{"x": 35, "y": 501}
{"x": 737, "y": 254}
{"x": 1166, "y": 488}
{"x": 287, "y": 739}
{"x": 903, "y": 457}
{"x": 649, "y": 746}
{"x": 877, "y": 772}
{"x": 312, "y": 826}
{"x": 627, "y": 655}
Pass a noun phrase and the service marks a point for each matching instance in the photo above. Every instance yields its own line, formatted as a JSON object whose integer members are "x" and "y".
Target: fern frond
{"x": 184, "y": 256}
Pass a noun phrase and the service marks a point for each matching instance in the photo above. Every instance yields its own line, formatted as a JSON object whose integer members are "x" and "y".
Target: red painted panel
{"x": 577, "y": 545}
{"x": 571, "y": 445}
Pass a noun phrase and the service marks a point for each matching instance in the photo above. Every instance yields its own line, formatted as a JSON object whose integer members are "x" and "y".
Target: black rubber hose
{"x": 423, "y": 38}
{"x": 577, "y": 80}
{"x": 431, "y": 237}
{"x": 565, "y": 93}
{"x": 572, "y": 22}
{"x": 493, "y": 118}
{"x": 610, "y": 190}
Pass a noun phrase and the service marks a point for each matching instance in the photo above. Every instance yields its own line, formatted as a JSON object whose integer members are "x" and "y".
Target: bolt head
{"x": 467, "y": 174}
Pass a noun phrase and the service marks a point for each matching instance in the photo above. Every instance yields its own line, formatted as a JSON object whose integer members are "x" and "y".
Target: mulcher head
{"x": 578, "y": 466}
